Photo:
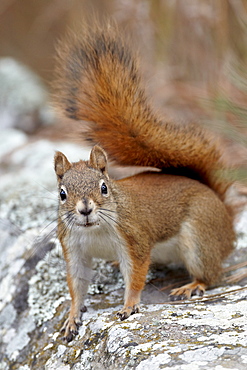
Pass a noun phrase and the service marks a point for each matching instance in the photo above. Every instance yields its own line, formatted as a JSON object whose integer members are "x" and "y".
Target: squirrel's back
{"x": 99, "y": 82}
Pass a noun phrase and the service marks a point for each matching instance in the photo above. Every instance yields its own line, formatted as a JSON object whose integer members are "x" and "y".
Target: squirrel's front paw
{"x": 70, "y": 328}
{"x": 127, "y": 311}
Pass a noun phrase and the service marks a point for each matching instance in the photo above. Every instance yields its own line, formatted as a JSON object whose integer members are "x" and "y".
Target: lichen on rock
{"x": 203, "y": 333}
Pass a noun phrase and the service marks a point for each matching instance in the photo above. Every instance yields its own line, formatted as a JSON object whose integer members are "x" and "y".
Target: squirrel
{"x": 175, "y": 215}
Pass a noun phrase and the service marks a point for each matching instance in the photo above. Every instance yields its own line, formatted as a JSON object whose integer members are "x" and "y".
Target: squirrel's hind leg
{"x": 201, "y": 257}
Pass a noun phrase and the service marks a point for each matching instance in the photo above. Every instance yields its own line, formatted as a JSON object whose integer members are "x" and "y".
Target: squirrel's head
{"x": 85, "y": 190}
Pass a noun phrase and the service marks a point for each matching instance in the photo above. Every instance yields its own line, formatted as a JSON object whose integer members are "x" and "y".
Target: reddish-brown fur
{"x": 98, "y": 80}
{"x": 145, "y": 210}
{"x": 150, "y": 216}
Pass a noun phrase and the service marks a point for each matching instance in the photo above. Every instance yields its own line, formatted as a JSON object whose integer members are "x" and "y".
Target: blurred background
{"x": 194, "y": 57}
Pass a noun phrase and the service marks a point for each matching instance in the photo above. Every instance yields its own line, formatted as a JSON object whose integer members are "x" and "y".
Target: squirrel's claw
{"x": 70, "y": 328}
{"x": 127, "y": 311}
{"x": 188, "y": 290}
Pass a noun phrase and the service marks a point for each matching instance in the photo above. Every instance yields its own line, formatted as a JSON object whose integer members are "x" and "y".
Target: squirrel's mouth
{"x": 87, "y": 224}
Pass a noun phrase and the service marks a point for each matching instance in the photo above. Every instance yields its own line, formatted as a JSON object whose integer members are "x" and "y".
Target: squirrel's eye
{"x": 63, "y": 195}
{"x": 103, "y": 188}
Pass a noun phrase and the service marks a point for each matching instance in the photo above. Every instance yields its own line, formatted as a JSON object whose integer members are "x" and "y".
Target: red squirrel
{"x": 176, "y": 215}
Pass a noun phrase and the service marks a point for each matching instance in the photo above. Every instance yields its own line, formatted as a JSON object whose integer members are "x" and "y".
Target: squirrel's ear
{"x": 61, "y": 164}
{"x": 98, "y": 159}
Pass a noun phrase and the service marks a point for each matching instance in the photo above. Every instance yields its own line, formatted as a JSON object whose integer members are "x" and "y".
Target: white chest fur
{"x": 96, "y": 242}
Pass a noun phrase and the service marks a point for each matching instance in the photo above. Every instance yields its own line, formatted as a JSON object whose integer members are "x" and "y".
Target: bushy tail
{"x": 99, "y": 82}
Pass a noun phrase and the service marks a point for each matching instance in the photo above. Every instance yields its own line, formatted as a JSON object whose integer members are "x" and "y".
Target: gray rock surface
{"x": 23, "y": 98}
{"x": 203, "y": 333}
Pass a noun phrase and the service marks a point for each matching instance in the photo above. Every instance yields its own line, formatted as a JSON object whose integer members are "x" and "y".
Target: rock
{"x": 23, "y": 98}
{"x": 203, "y": 333}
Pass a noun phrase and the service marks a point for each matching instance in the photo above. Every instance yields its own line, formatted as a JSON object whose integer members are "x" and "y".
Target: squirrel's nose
{"x": 84, "y": 207}
{"x": 85, "y": 211}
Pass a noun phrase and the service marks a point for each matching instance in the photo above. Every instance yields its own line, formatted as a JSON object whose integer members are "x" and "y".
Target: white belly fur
{"x": 166, "y": 252}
